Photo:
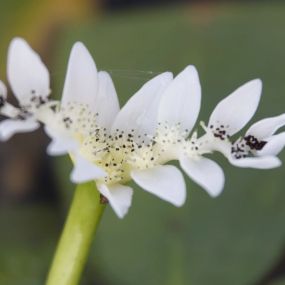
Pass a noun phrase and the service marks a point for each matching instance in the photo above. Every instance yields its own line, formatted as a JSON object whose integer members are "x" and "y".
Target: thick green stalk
{"x": 74, "y": 245}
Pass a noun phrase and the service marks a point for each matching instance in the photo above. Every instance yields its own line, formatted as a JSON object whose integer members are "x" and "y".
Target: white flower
{"x": 127, "y": 151}
{"x": 113, "y": 146}
{"x": 67, "y": 122}
{"x": 105, "y": 145}
{"x": 88, "y": 106}
{"x": 29, "y": 81}
{"x": 89, "y": 102}
{"x": 150, "y": 131}
{"x": 258, "y": 148}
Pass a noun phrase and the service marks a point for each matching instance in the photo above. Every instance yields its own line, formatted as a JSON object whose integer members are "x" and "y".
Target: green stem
{"x": 74, "y": 245}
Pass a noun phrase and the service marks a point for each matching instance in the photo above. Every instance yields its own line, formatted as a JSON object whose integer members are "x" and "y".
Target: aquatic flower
{"x": 29, "y": 81}
{"x": 66, "y": 121}
{"x": 151, "y": 130}
{"x": 89, "y": 101}
{"x": 260, "y": 145}
{"x": 88, "y": 119}
{"x": 89, "y": 104}
{"x": 154, "y": 128}
{"x": 127, "y": 150}
{"x": 258, "y": 148}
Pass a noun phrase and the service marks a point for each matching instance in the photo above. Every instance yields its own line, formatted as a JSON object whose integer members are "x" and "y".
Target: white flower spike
{"x": 113, "y": 146}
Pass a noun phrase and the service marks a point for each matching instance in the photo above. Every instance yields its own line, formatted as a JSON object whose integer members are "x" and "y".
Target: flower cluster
{"x": 113, "y": 146}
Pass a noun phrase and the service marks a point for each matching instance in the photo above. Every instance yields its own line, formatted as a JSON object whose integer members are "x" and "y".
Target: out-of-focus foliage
{"x": 234, "y": 239}
{"x": 278, "y": 282}
{"x": 38, "y": 21}
{"x": 27, "y": 239}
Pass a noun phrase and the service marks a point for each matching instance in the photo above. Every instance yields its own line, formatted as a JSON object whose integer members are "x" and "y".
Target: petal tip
{"x": 191, "y": 68}
{"x": 18, "y": 41}
{"x": 258, "y": 83}
{"x": 77, "y": 46}
{"x": 166, "y": 76}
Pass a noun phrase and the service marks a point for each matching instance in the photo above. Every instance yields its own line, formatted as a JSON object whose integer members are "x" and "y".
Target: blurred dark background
{"x": 238, "y": 238}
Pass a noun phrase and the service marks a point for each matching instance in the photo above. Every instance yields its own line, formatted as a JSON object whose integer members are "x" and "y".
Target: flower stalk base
{"x": 75, "y": 242}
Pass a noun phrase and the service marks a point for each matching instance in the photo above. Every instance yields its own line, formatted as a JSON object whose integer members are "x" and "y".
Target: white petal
{"x": 10, "y": 111}
{"x": 85, "y": 170}
{"x": 264, "y": 162}
{"x": 81, "y": 82}
{"x": 3, "y": 90}
{"x": 165, "y": 181}
{"x": 237, "y": 109}
{"x": 180, "y": 103}
{"x": 107, "y": 104}
{"x": 119, "y": 197}
{"x": 266, "y": 127}
{"x": 141, "y": 111}
{"x": 58, "y": 147}
{"x": 61, "y": 142}
{"x": 273, "y": 146}
{"x": 6, "y": 109}
{"x": 27, "y": 74}
{"x": 10, "y": 127}
{"x": 205, "y": 172}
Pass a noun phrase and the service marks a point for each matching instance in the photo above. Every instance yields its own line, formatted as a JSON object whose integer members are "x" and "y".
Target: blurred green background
{"x": 237, "y": 238}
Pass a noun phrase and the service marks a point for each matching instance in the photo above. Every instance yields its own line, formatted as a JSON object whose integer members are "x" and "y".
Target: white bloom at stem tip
{"x": 127, "y": 150}
{"x": 154, "y": 128}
